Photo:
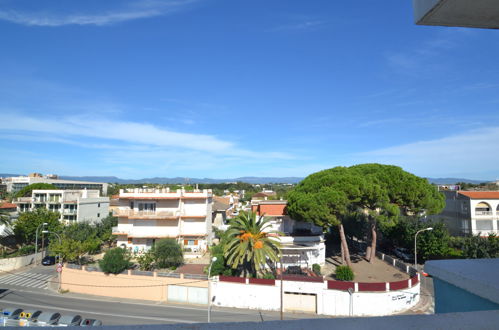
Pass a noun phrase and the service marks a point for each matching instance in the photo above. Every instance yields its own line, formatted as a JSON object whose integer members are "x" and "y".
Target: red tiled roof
{"x": 7, "y": 206}
{"x": 481, "y": 194}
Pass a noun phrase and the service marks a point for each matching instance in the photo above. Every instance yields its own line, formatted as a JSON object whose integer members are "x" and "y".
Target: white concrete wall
{"x": 9, "y": 264}
{"x": 193, "y": 226}
{"x": 329, "y": 302}
{"x": 93, "y": 209}
{"x": 194, "y": 207}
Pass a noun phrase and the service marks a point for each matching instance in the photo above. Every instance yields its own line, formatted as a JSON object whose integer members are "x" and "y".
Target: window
{"x": 147, "y": 207}
{"x": 98, "y": 205}
{"x": 484, "y": 225}
{"x": 190, "y": 242}
{"x": 98, "y": 215}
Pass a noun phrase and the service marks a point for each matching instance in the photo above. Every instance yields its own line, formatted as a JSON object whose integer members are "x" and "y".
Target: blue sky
{"x": 227, "y": 88}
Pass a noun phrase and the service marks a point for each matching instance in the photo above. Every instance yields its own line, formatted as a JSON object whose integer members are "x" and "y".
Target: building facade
{"x": 471, "y": 212}
{"x": 302, "y": 243}
{"x": 147, "y": 215}
{"x": 73, "y": 205}
{"x": 14, "y": 184}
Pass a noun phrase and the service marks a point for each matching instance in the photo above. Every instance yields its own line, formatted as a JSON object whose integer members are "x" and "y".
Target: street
{"x": 113, "y": 311}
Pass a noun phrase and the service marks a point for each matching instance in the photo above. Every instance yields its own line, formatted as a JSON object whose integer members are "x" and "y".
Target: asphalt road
{"x": 113, "y": 311}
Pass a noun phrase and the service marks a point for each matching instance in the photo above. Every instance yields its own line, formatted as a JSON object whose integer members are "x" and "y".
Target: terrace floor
{"x": 377, "y": 271}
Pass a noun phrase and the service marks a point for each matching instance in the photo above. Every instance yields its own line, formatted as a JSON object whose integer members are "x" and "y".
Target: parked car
{"x": 48, "y": 318}
{"x": 403, "y": 254}
{"x": 11, "y": 313}
{"x": 48, "y": 260}
{"x": 69, "y": 320}
{"x": 90, "y": 323}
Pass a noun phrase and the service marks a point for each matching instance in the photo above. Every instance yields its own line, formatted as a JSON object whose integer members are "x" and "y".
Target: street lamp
{"x": 36, "y": 238}
{"x": 416, "y": 248}
{"x": 59, "y": 256}
{"x": 209, "y": 288}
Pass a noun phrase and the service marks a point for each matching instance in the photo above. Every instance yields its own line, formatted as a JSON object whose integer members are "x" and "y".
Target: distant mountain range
{"x": 177, "y": 180}
{"x": 247, "y": 179}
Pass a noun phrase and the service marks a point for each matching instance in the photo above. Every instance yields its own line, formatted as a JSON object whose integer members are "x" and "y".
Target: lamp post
{"x": 416, "y": 248}
{"x": 59, "y": 256}
{"x": 36, "y": 238}
{"x": 209, "y": 288}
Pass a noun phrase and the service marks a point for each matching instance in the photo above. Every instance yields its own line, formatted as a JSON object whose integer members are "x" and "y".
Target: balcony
{"x": 69, "y": 211}
{"x": 147, "y": 215}
{"x": 484, "y": 214}
{"x": 141, "y": 233}
{"x": 117, "y": 231}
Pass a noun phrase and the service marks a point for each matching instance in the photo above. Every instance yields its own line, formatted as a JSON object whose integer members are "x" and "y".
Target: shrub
{"x": 269, "y": 276}
{"x": 168, "y": 253}
{"x": 218, "y": 266}
{"x": 344, "y": 273}
{"x": 228, "y": 272}
{"x": 146, "y": 261}
{"x": 27, "y": 249}
{"x": 316, "y": 268}
{"x": 115, "y": 261}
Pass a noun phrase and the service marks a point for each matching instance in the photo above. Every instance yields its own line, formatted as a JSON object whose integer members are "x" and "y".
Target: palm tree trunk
{"x": 344, "y": 245}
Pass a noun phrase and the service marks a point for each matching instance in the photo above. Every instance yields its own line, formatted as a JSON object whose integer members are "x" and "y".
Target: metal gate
{"x": 187, "y": 294}
{"x": 300, "y": 302}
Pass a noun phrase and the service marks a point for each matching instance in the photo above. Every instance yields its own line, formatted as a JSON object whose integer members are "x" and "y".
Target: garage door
{"x": 188, "y": 294}
{"x": 300, "y": 302}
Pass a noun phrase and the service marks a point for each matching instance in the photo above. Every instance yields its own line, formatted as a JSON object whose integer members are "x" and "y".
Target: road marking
{"x": 34, "y": 280}
{"x": 79, "y": 311}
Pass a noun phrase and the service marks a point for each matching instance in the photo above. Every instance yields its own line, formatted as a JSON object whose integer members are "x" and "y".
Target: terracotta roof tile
{"x": 481, "y": 194}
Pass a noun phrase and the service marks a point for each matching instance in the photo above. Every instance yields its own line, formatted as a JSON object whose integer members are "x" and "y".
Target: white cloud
{"x": 469, "y": 153}
{"x": 127, "y": 12}
{"x": 122, "y": 134}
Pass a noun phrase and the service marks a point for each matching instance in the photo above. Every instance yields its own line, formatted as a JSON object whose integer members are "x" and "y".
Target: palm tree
{"x": 250, "y": 244}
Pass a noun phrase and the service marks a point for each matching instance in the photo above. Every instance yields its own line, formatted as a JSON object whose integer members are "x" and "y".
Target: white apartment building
{"x": 14, "y": 184}
{"x": 471, "y": 212}
{"x": 147, "y": 215}
{"x": 302, "y": 243}
{"x": 73, "y": 205}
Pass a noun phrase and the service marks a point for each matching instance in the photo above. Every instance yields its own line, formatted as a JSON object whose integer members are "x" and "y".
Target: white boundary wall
{"x": 9, "y": 264}
{"x": 329, "y": 302}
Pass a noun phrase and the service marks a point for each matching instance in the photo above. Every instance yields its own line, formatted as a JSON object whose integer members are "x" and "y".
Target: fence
{"x": 10, "y": 264}
{"x": 316, "y": 295}
{"x": 132, "y": 284}
{"x": 398, "y": 264}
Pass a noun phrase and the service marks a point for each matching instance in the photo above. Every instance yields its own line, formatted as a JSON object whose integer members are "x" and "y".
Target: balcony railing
{"x": 146, "y": 214}
{"x": 117, "y": 231}
{"x": 69, "y": 211}
{"x": 482, "y": 213}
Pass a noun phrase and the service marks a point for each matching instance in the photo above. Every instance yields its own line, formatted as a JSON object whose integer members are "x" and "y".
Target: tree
{"x": 115, "y": 261}
{"x": 27, "y": 223}
{"x": 78, "y": 239}
{"x": 105, "y": 229}
{"x": 4, "y": 218}
{"x": 72, "y": 250}
{"x": 249, "y": 244}
{"x": 481, "y": 247}
{"x": 392, "y": 190}
{"x": 26, "y": 191}
{"x": 434, "y": 244}
{"x": 325, "y": 198}
{"x": 168, "y": 253}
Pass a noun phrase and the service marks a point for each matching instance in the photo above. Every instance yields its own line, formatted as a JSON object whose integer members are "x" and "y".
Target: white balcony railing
{"x": 146, "y": 214}
{"x": 117, "y": 231}
{"x": 69, "y": 211}
{"x": 483, "y": 213}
